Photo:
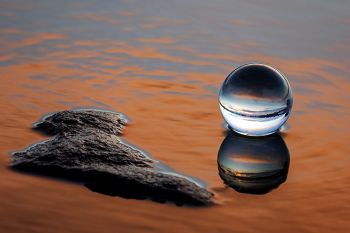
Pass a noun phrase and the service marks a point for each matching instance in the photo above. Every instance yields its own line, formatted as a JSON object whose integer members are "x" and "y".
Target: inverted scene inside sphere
{"x": 255, "y": 100}
{"x": 253, "y": 165}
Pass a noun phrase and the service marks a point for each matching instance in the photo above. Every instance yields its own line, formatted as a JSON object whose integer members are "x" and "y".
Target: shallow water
{"x": 162, "y": 64}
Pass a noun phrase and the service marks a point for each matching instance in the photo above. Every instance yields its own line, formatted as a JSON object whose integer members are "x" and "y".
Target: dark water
{"x": 162, "y": 64}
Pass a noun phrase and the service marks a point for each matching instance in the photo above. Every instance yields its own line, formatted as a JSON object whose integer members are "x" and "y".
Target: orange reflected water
{"x": 162, "y": 65}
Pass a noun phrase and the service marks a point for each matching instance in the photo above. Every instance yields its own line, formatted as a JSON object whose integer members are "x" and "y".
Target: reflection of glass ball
{"x": 255, "y": 100}
{"x": 253, "y": 165}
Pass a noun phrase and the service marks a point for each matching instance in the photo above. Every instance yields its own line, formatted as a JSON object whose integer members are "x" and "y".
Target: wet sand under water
{"x": 162, "y": 65}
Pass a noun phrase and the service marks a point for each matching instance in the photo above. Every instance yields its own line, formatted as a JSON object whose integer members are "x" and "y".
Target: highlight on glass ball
{"x": 253, "y": 165}
{"x": 255, "y": 100}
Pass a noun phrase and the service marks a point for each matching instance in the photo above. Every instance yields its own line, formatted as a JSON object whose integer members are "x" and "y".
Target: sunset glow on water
{"x": 162, "y": 64}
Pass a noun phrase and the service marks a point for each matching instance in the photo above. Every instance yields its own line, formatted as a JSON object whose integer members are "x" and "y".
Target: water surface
{"x": 162, "y": 64}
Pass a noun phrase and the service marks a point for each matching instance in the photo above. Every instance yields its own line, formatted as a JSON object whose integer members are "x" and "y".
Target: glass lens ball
{"x": 255, "y": 100}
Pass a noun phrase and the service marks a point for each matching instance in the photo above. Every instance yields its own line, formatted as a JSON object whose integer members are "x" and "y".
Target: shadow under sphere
{"x": 253, "y": 165}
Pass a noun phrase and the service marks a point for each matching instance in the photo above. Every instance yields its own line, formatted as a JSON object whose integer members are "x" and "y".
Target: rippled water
{"x": 162, "y": 64}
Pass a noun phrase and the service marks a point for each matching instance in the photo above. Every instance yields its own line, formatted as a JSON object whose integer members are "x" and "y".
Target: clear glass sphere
{"x": 251, "y": 164}
{"x": 255, "y": 100}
